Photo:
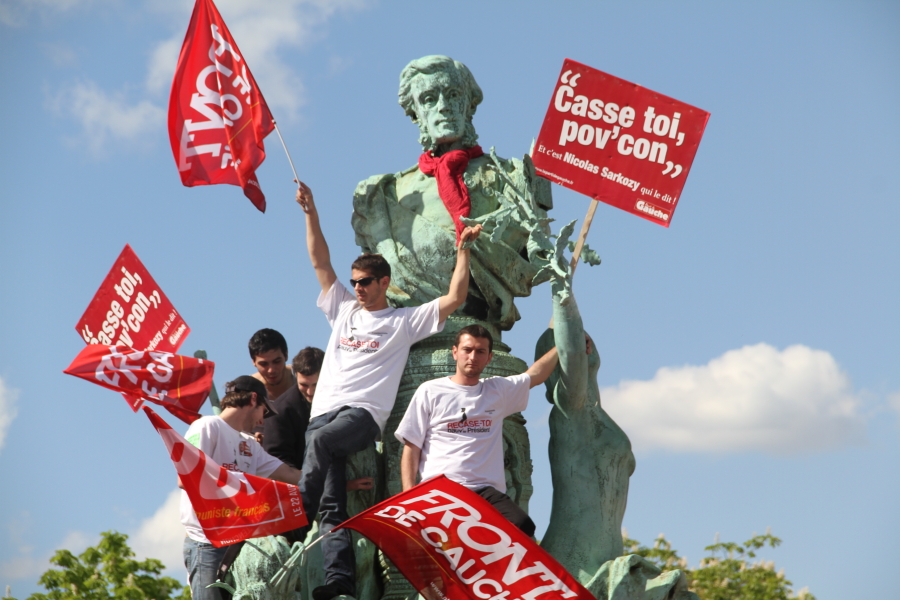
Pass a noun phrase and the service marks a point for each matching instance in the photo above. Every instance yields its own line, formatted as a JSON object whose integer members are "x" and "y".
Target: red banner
{"x": 618, "y": 142}
{"x": 180, "y": 384}
{"x": 231, "y": 506}
{"x": 217, "y": 115}
{"x": 452, "y": 544}
{"x": 131, "y": 310}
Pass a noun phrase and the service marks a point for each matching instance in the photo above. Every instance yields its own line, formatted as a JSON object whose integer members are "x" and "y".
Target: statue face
{"x": 440, "y": 104}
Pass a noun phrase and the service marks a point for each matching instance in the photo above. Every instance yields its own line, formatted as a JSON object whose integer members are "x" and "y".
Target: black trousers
{"x": 509, "y": 509}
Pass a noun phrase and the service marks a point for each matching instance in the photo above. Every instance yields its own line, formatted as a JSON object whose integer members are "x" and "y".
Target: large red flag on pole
{"x": 452, "y": 544}
{"x": 217, "y": 115}
{"x": 231, "y": 506}
{"x": 180, "y": 384}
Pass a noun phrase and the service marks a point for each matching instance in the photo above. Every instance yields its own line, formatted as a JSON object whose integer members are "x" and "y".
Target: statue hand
{"x": 305, "y": 198}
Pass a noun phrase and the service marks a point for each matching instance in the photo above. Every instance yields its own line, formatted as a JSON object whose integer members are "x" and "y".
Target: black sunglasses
{"x": 364, "y": 281}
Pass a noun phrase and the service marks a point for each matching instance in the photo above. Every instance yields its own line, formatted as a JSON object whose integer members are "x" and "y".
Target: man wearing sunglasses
{"x": 360, "y": 375}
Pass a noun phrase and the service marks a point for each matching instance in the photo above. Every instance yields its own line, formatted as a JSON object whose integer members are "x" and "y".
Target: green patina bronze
{"x": 402, "y": 217}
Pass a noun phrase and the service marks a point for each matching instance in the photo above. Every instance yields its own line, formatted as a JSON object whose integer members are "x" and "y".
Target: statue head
{"x": 440, "y": 95}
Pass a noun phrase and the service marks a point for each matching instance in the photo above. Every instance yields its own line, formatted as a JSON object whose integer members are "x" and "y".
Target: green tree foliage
{"x": 107, "y": 571}
{"x": 726, "y": 574}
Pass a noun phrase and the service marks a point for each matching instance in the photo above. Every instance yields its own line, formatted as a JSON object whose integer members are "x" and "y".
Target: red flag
{"x": 217, "y": 115}
{"x": 231, "y": 506}
{"x": 180, "y": 384}
{"x": 130, "y": 309}
{"x": 450, "y": 544}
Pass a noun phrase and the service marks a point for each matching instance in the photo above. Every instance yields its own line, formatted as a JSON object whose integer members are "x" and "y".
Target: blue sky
{"x": 750, "y": 351}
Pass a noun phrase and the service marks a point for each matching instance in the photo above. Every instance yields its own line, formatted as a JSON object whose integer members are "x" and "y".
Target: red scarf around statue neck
{"x": 448, "y": 172}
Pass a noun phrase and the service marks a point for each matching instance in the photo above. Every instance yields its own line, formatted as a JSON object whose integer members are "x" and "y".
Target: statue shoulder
{"x": 380, "y": 185}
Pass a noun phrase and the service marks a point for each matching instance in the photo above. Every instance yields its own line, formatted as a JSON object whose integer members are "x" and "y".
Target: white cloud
{"x": 7, "y": 409}
{"x": 755, "y": 398}
{"x": 262, "y": 32}
{"x": 106, "y": 117}
{"x": 893, "y": 400}
{"x": 28, "y": 566}
{"x": 161, "y": 536}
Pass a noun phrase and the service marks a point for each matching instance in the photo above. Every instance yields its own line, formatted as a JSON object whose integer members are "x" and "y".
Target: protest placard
{"x": 131, "y": 310}
{"x": 618, "y": 142}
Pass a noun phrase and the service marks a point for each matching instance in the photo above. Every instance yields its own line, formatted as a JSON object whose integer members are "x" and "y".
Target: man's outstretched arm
{"x": 542, "y": 367}
{"x": 409, "y": 465}
{"x": 459, "y": 283}
{"x": 286, "y": 474}
{"x": 319, "y": 254}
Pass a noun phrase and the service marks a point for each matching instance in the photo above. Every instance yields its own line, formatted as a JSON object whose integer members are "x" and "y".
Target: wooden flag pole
{"x": 585, "y": 227}
{"x": 579, "y": 244}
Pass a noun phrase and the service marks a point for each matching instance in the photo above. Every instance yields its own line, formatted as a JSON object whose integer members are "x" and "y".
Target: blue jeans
{"x": 202, "y": 563}
{"x": 330, "y": 438}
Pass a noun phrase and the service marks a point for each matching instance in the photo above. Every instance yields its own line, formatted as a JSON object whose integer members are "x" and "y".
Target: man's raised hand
{"x": 468, "y": 236}
{"x": 305, "y": 198}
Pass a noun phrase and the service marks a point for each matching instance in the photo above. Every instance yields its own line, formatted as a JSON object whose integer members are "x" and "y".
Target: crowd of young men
{"x": 336, "y": 403}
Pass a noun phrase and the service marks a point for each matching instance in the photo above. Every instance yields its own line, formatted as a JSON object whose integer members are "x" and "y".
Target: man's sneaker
{"x": 329, "y": 591}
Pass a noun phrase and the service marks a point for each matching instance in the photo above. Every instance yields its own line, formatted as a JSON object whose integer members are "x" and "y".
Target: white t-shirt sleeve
{"x": 423, "y": 321}
{"x": 265, "y": 462}
{"x": 415, "y": 423}
{"x": 331, "y": 301}
{"x": 202, "y": 434}
{"x": 515, "y": 390}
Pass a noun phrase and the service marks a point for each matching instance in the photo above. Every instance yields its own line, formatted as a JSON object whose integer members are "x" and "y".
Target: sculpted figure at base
{"x": 591, "y": 462}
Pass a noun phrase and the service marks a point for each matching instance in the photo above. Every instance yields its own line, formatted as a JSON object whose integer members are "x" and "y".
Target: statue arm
{"x": 409, "y": 465}
{"x": 568, "y": 333}
{"x": 319, "y": 254}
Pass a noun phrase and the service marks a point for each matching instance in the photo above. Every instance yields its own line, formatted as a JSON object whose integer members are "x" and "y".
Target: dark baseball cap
{"x": 246, "y": 383}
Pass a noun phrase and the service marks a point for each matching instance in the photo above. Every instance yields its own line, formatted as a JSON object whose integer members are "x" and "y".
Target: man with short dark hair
{"x": 454, "y": 425}
{"x": 268, "y": 351}
{"x": 364, "y": 360}
{"x": 223, "y": 440}
{"x": 284, "y": 433}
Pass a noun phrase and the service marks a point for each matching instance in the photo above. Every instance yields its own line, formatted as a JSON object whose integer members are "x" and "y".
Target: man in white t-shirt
{"x": 454, "y": 425}
{"x": 223, "y": 439}
{"x": 358, "y": 383}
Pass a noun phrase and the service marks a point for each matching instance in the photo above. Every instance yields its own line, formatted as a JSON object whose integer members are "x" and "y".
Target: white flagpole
{"x": 278, "y": 131}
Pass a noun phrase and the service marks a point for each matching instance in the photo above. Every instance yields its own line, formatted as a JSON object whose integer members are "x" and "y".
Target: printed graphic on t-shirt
{"x": 470, "y": 426}
{"x": 244, "y": 449}
{"x": 352, "y": 342}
